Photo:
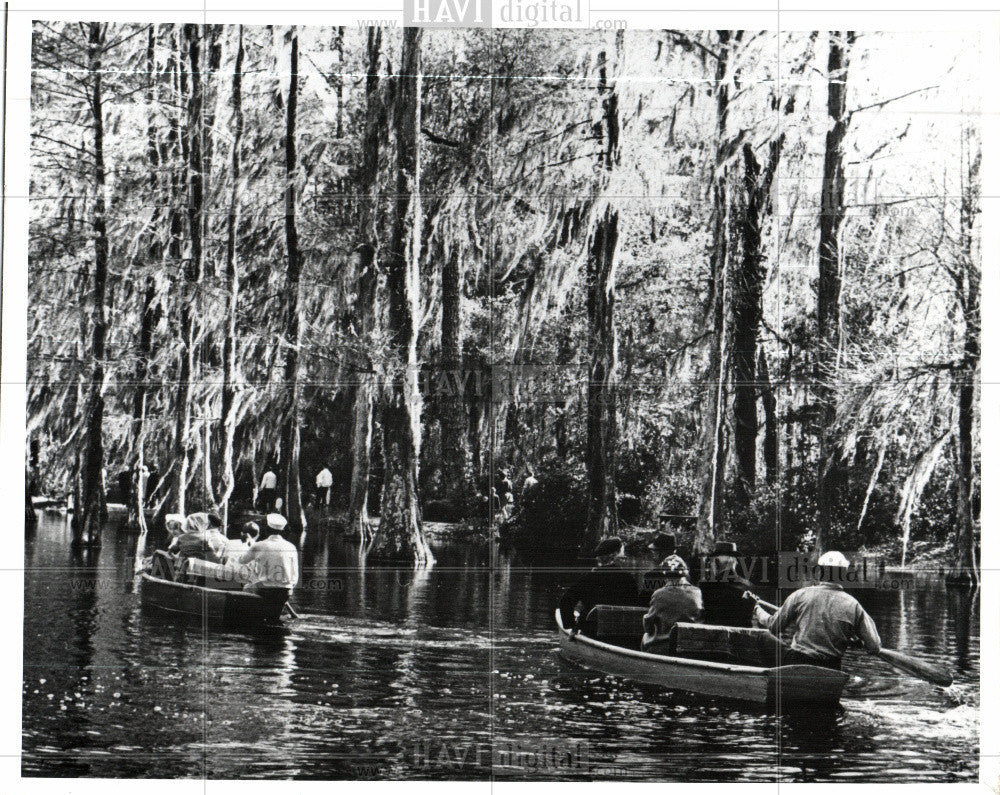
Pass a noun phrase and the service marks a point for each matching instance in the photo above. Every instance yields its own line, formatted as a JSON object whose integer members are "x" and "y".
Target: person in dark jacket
{"x": 722, "y": 589}
{"x": 608, "y": 584}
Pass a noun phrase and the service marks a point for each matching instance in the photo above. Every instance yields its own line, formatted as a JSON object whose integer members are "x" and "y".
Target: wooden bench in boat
{"x": 622, "y": 626}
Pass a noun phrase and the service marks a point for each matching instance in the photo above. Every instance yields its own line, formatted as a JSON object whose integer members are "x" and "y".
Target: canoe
{"x": 780, "y": 686}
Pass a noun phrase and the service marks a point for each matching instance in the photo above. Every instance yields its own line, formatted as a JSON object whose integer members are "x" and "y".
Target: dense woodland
{"x": 726, "y": 275}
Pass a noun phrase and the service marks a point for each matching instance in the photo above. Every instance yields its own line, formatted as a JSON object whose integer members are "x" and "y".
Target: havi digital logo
{"x": 448, "y": 13}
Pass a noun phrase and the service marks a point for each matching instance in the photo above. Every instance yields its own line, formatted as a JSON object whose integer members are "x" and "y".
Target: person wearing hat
{"x": 608, "y": 584}
{"x": 722, "y": 589}
{"x": 274, "y": 561}
{"x": 199, "y": 540}
{"x": 822, "y": 618}
{"x": 664, "y": 546}
{"x": 175, "y": 525}
{"x": 677, "y": 600}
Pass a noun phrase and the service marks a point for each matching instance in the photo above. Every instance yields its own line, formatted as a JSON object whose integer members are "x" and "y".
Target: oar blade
{"x": 915, "y": 667}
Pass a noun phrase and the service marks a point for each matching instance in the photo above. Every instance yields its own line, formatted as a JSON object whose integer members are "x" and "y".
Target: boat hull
{"x": 211, "y": 605}
{"x": 784, "y": 686}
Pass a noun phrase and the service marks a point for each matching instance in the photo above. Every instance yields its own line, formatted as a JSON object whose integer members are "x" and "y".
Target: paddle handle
{"x": 760, "y": 602}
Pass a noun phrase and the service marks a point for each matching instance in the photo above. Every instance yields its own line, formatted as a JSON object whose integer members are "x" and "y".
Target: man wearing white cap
{"x": 275, "y": 561}
{"x": 825, "y": 619}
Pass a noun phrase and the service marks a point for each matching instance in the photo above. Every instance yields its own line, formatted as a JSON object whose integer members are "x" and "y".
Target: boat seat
{"x": 221, "y": 576}
{"x": 740, "y": 645}
{"x": 618, "y": 624}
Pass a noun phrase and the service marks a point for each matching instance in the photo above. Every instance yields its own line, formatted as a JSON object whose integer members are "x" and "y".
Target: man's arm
{"x": 867, "y": 631}
{"x": 786, "y": 613}
{"x": 249, "y": 555}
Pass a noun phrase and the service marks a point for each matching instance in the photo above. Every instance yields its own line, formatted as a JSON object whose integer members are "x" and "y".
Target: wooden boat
{"x": 226, "y": 605}
{"x": 777, "y": 686}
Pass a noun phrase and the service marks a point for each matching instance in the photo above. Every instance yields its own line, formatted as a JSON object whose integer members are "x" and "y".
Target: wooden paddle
{"x": 897, "y": 659}
{"x": 291, "y": 610}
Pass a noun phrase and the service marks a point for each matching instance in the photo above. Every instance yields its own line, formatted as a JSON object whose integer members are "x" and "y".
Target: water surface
{"x": 450, "y": 673}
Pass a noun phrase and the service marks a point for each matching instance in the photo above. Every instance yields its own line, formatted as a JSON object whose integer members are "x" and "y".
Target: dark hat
{"x": 214, "y": 520}
{"x": 664, "y": 543}
{"x": 723, "y": 548}
{"x": 609, "y": 546}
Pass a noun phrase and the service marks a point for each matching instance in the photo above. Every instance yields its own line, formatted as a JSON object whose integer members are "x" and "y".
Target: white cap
{"x": 275, "y": 521}
{"x": 833, "y": 558}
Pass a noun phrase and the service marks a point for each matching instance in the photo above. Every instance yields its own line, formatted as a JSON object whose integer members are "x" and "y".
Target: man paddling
{"x": 823, "y": 618}
{"x": 274, "y": 562}
{"x": 608, "y": 584}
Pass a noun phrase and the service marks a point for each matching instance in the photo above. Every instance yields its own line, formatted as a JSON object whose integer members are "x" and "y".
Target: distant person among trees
{"x": 823, "y": 618}
{"x": 324, "y": 485}
{"x": 722, "y": 589}
{"x": 608, "y": 584}
{"x": 529, "y": 486}
{"x": 503, "y": 483}
{"x": 268, "y": 491}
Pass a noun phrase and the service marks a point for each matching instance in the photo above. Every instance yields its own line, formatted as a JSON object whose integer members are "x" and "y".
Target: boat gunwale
{"x": 707, "y": 665}
{"x": 230, "y": 592}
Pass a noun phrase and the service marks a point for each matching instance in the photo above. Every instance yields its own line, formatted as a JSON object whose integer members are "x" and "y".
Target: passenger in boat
{"x": 175, "y": 526}
{"x": 274, "y": 561}
{"x": 200, "y": 541}
{"x": 722, "y": 589}
{"x": 664, "y": 546}
{"x": 823, "y": 619}
{"x": 677, "y": 600}
{"x": 237, "y": 547}
{"x": 608, "y": 584}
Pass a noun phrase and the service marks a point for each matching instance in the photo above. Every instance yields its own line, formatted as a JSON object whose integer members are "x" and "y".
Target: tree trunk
{"x": 748, "y": 313}
{"x": 191, "y": 146}
{"x": 966, "y": 557}
{"x": 828, "y": 301}
{"x": 228, "y": 475}
{"x": 92, "y": 508}
{"x": 602, "y": 421}
{"x": 770, "y": 406}
{"x": 455, "y": 459}
{"x": 290, "y": 437}
{"x": 148, "y": 313}
{"x": 367, "y": 294}
{"x": 400, "y": 536}
{"x": 712, "y": 442}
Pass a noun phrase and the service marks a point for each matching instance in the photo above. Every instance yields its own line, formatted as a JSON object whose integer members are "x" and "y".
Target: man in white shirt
{"x": 274, "y": 561}
{"x": 324, "y": 484}
{"x": 268, "y": 491}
